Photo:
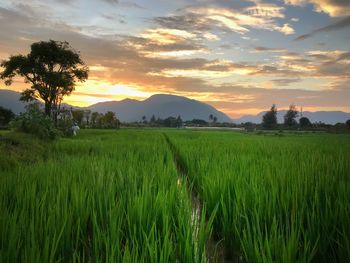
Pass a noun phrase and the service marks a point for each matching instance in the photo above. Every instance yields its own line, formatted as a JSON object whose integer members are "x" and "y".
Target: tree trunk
{"x": 48, "y": 107}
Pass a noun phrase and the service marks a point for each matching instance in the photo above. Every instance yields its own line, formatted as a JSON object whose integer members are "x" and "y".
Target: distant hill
{"x": 9, "y": 99}
{"x": 129, "y": 110}
{"x": 162, "y": 106}
{"x": 329, "y": 117}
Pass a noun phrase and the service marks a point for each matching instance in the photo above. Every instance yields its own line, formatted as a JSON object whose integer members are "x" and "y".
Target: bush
{"x": 35, "y": 122}
{"x": 304, "y": 122}
{"x": 6, "y": 115}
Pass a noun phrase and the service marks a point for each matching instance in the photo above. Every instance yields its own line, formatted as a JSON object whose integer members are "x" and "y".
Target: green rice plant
{"x": 103, "y": 196}
{"x": 281, "y": 199}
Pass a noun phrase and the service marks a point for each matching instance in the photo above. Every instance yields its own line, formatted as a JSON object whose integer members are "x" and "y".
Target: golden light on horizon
{"x": 85, "y": 93}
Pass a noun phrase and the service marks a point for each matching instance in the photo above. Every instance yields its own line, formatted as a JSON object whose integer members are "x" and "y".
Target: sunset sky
{"x": 239, "y": 56}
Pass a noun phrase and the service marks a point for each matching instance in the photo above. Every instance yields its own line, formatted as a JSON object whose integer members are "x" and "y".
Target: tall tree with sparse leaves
{"x": 269, "y": 120}
{"x": 290, "y": 116}
{"x": 52, "y": 68}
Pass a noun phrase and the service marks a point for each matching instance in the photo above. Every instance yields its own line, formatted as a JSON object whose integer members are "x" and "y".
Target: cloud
{"x": 331, "y": 7}
{"x": 167, "y": 42}
{"x": 267, "y": 49}
{"x": 206, "y": 18}
{"x": 183, "y": 22}
{"x": 265, "y": 10}
{"x": 286, "y": 29}
{"x": 285, "y": 82}
{"x": 240, "y": 21}
{"x": 345, "y": 22}
{"x": 163, "y": 59}
{"x": 111, "y": 1}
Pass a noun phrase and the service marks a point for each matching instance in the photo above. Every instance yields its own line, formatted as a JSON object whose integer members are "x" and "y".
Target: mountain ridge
{"x": 130, "y": 110}
{"x": 166, "y": 105}
{"x": 161, "y": 106}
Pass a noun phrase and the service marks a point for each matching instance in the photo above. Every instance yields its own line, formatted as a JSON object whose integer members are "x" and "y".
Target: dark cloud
{"x": 114, "y": 18}
{"x": 275, "y": 70}
{"x": 124, "y": 3}
{"x": 285, "y": 82}
{"x": 345, "y": 22}
{"x": 111, "y": 1}
{"x": 183, "y": 22}
{"x": 267, "y": 49}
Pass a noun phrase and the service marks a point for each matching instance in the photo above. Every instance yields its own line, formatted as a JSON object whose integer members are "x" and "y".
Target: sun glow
{"x": 94, "y": 91}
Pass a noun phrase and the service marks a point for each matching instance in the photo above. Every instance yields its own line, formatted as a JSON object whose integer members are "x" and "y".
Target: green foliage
{"x": 35, "y": 122}
{"x": 197, "y": 122}
{"x": 6, "y": 115}
{"x": 52, "y": 68}
{"x": 106, "y": 121}
{"x": 78, "y": 116}
{"x": 110, "y": 121}
{"x": 348, "y": 123}
{"x": 304, "y": 122}
{"x": 290, "y": 116}
{"x": 269, "y": 120}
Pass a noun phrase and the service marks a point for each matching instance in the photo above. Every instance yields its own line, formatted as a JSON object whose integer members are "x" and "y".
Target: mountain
{"x": 129, "y": 110}
{"x": 9, "y": 99}
{"x": 162, "y": 106}
{"x": 329, "y": 117}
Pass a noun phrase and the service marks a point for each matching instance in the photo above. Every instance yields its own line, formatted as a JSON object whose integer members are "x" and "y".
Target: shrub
{"x": 6, "y": 115}
{"x": 35, "y": 122}
{"x": 304, "y": 122}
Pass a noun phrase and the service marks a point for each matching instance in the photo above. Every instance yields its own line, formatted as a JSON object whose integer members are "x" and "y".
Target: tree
{"x": 144, "y": 119}
{"x": 52, "y": 68}
{"x": 35, "y": 121}
{"x": 95, "y": 116}
{"x": 6, "y": 115}
{"x": 348, "y": 123}
{"x": 199, "y": 122}
{"x": 290, "y": 116}
{"x": 170, "y": 122}
{"x": 78, "y": 116}
{"x": 109, "y": 120}
{"x": 87, "y": 114}
{"x": 269, "y": 120}
{"x": 304, "y": 122}
{"x": 211, "y": 117}
{"x": 215, "y": 119}
{"x": 179, "y": 122}
{"x": 153, "y": 119}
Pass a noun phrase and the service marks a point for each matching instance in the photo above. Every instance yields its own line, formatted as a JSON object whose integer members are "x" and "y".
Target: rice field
{"x": 180, "y": 196}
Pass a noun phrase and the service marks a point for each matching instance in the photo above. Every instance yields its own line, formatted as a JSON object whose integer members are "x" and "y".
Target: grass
{"x": 282, "y": 199}
{"x": 18, "y": 148}
{"x": 115, "y": 196}
{"x": 100, "y": 197}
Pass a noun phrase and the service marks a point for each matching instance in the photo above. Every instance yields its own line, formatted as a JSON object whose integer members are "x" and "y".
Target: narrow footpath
{"x": 213, "y": 252}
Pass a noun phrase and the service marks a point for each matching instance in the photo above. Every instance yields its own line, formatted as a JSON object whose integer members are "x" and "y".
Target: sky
{"x": 239, "y": 56}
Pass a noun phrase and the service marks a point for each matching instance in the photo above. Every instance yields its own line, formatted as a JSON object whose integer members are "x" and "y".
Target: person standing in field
{"x": 75, "y": 128}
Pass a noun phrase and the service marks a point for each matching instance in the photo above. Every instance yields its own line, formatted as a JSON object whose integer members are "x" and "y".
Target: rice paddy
{"x": 179, "y": 196}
